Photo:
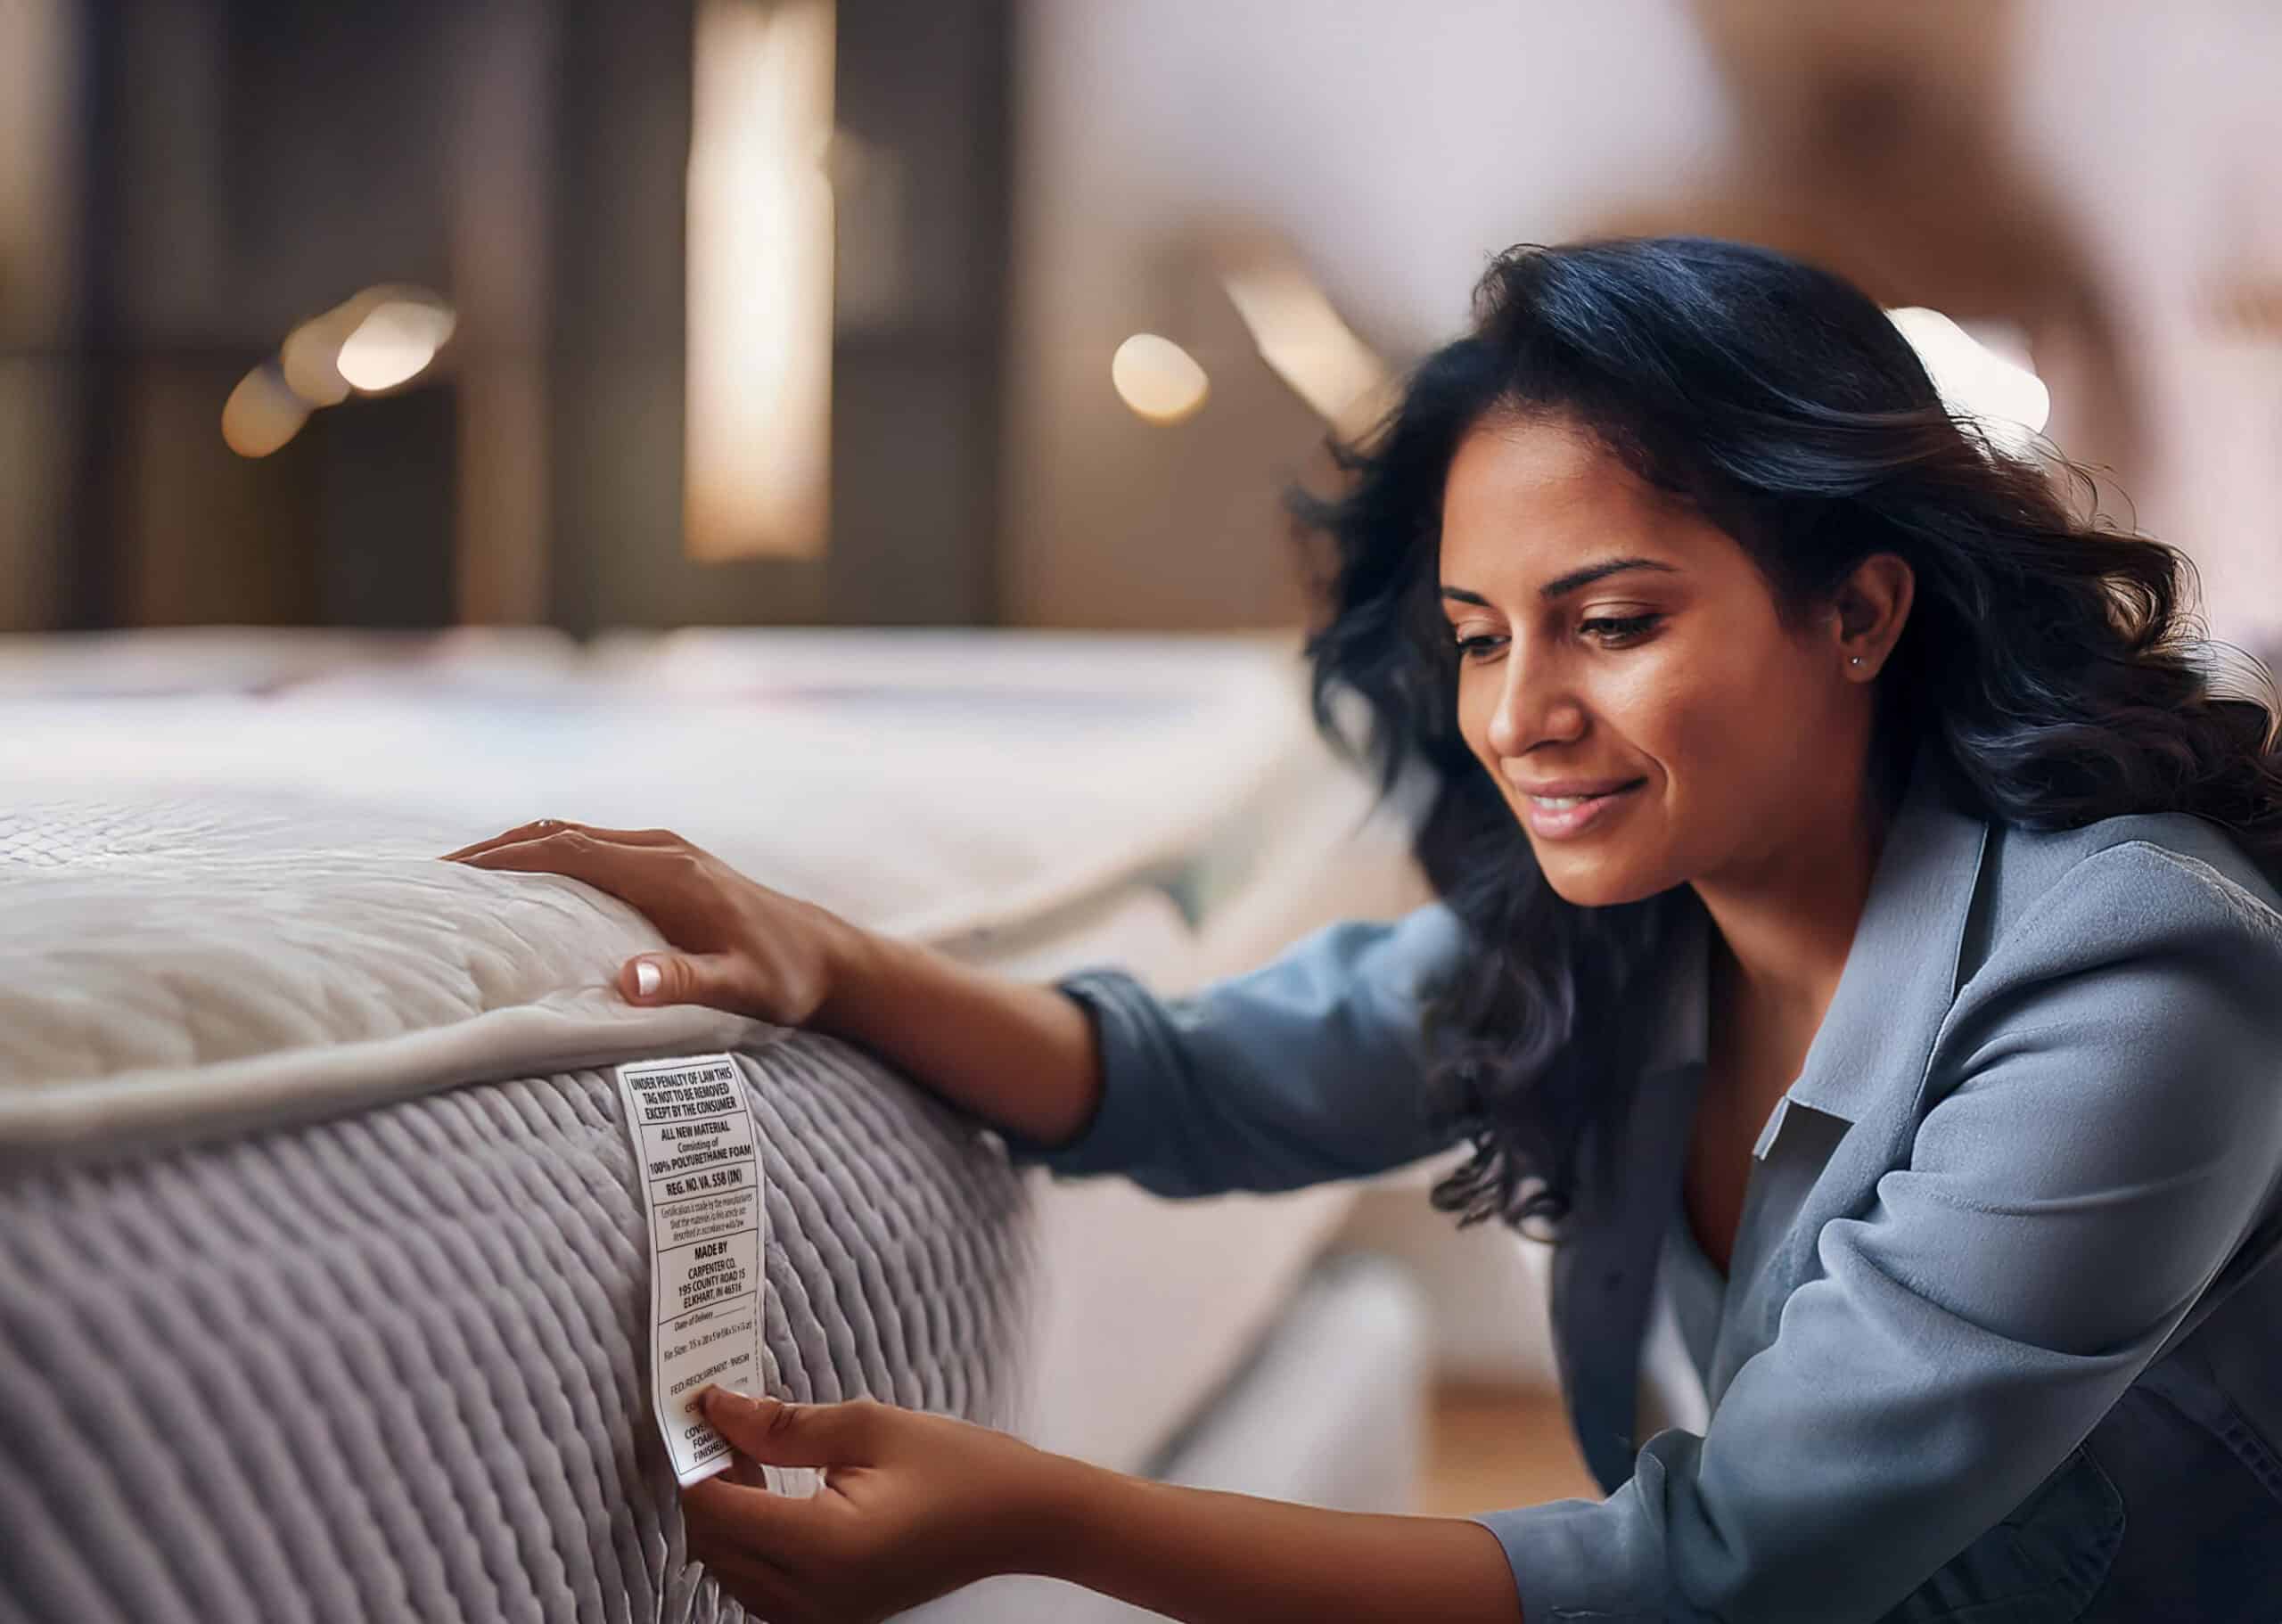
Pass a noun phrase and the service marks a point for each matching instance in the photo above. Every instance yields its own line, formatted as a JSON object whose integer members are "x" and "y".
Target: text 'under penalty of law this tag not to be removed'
{"x": 699, "y": 1158}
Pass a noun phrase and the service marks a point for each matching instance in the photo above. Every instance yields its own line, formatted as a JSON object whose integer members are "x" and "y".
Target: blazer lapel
{"x": 1900, "y": 975}
{"x": 1867, "y": 1065}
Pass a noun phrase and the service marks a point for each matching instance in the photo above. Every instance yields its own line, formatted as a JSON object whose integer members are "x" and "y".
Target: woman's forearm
{"x": 1206, "y": 1557}
{"x": 1017, "y": 1054}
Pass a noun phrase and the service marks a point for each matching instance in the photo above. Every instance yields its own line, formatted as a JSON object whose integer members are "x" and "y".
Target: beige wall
{"x": 2161, "y": 128}
{"x": 1395, "y": 146}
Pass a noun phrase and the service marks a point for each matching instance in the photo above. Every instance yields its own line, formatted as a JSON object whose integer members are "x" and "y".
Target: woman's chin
{"x": 1597, "y": 882}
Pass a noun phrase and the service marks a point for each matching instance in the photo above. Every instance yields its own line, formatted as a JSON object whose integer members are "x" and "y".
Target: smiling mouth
{"x": 1562, "y": 803}
{"x": 1555, "y": 817}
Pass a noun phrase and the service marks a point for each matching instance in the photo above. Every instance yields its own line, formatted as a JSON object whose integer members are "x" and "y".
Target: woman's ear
{"x": 1869, "y": 610}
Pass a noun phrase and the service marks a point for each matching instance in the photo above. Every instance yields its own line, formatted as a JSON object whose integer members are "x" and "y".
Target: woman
{"x": 1857, "y": 925}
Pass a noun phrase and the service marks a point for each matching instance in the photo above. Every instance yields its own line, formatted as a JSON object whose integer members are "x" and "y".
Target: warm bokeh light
{"x": 311, "y": 355}
{"x": 381, "y": 338}
{"x": 394, "y": 343}
{"x": 262, "y": 413}
{"x": 2009, "y": 402}
{"x": 1306, "y": 343}
{"x": 758, "y": 453}
{"x": 1159, "y": 379}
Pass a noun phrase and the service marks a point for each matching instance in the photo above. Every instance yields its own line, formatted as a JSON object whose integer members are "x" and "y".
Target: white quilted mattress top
{"x": 223, "y": 904}
{"x": 219, "y": 960}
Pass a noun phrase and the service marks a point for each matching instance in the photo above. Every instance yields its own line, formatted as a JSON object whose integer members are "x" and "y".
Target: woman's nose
{"x": 1532, "y": 709}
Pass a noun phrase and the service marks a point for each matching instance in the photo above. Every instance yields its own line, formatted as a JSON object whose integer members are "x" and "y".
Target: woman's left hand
{"x": 912, "y": 1506}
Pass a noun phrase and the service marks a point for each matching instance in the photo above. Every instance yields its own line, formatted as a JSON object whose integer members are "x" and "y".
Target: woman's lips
{"x": 1560, "y": 822}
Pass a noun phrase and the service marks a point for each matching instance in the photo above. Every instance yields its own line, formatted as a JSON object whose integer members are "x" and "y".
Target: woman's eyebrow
{"x": 1561, "y": 585}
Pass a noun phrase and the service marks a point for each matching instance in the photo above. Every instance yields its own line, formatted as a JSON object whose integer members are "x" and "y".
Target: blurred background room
{"x": 494, "y": 372}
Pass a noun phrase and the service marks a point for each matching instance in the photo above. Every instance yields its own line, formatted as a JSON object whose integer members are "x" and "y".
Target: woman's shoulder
{"x": 2126, "y": 1002}
{"x": 2157, "y": 919}
{"x": 2128, "y": 869}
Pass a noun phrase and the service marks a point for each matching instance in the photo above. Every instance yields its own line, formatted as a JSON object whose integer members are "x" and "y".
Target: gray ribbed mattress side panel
{"x": 394, "y": 1366}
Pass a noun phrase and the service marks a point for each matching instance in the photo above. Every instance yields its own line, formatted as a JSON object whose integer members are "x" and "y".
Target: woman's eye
{"x": 1477, "y": 645}
{"x": 1619, "y": 628}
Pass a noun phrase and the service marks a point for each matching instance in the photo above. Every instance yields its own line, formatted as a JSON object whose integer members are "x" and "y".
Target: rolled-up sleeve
{"x": 1310, "y": 1069}
{"x": 2106, "y": 1131}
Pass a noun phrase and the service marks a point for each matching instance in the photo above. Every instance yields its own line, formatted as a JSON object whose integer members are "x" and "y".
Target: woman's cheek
{"x": 1477, "y": 704}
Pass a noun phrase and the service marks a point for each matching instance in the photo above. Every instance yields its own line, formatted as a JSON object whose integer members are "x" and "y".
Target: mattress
{"x": 322, "y": 1268}
{"x": 1031, "y": 801}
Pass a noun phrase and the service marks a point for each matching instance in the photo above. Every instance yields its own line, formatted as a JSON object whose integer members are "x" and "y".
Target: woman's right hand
{"x": 738, "y": 945}
{"x": 1019, "y": 1056}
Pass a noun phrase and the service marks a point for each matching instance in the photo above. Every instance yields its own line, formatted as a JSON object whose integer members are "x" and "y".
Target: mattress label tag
{"x": 698, "y": 1154}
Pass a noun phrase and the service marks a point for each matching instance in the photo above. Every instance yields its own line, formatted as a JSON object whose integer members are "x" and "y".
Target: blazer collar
{"x": 1905, "y": 953}
{"x": 1900, "y": 975}
{"x": 1867, "y": 1058}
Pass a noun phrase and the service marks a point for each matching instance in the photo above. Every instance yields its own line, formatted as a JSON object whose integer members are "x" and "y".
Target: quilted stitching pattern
{"x": 391, "y": 1367}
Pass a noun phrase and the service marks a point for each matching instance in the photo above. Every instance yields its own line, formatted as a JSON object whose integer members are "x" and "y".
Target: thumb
{"x": 679, "y": 978}
{"x": 780, "y": 1434}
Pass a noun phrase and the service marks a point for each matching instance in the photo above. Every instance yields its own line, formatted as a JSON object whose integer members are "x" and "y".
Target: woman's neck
{"x": 1784, "y": 923}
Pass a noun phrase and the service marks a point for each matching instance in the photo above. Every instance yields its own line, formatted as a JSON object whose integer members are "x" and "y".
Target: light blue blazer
{"x": 2005, "y": 1344}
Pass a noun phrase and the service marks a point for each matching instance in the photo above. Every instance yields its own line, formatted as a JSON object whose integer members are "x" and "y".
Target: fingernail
{"x": 646, "y": 978}
{"x": 714, "y": 1398}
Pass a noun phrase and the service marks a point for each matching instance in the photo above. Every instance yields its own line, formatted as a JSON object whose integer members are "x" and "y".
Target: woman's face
{"x": 1625, "y": 677}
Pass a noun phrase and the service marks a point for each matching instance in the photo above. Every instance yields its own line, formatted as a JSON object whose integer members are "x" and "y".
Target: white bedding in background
{"x": 1035, "y": 801}
{"x": 931, "y": 784}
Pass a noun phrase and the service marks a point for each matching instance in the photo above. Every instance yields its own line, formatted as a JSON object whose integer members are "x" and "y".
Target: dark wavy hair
{"x": 2048, "y": 658}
